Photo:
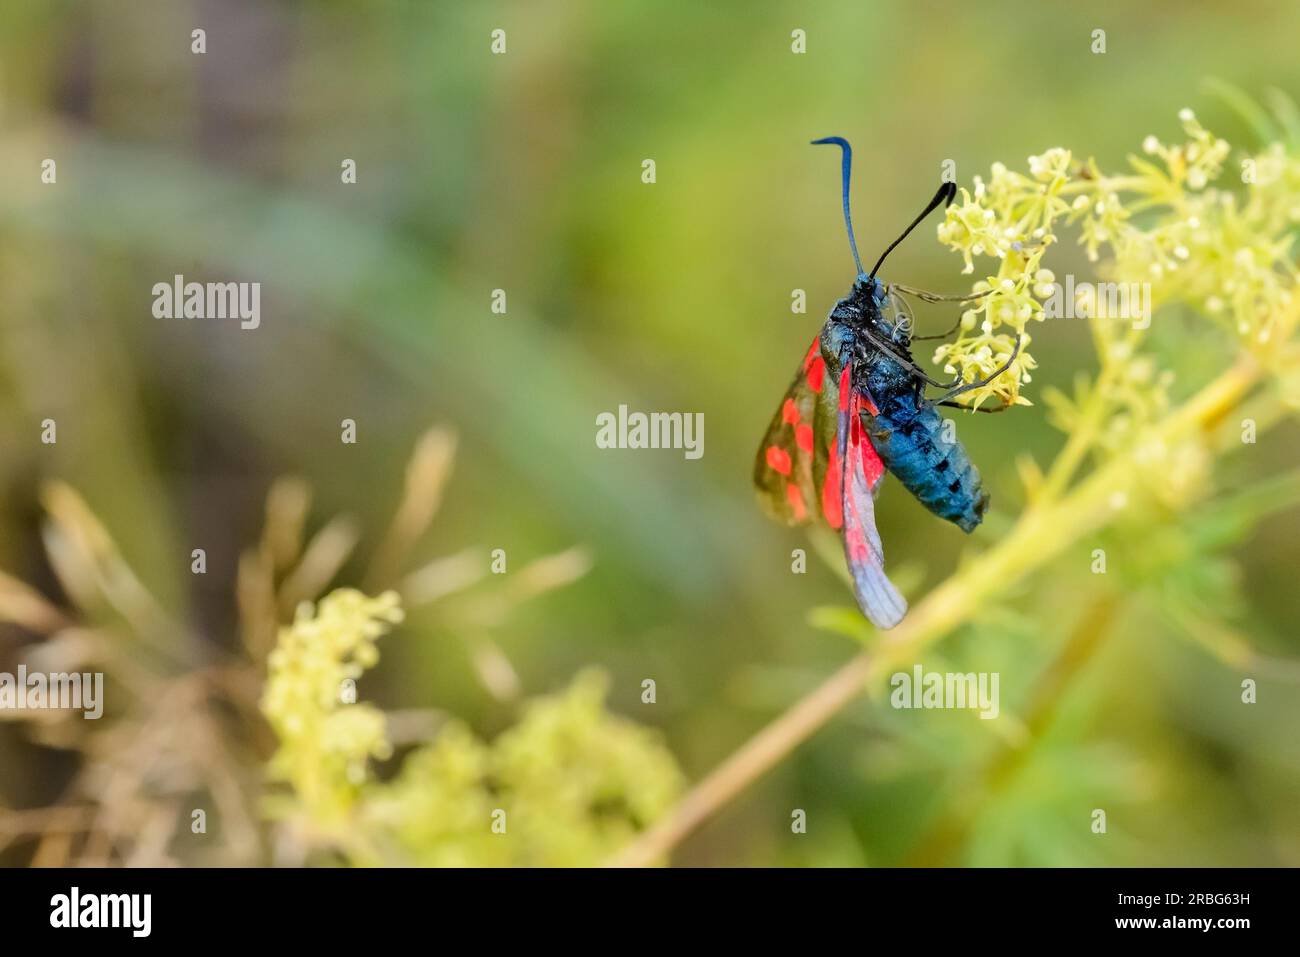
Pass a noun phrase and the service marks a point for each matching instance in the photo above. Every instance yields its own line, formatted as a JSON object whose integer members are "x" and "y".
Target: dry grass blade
{"x": 90, "y": 567}
{"x": 22, "y": 605}
{"x": 536, "y": 578}
{"x": 288, "y": 502}
{"x": 443, "y": 577}
{"x": 255, "y": 597}
{"x": 321, "y": 561}
{"x": 550, "y": 572}
{"x": 426, "y": 477}
{"x": 495, "y": 670}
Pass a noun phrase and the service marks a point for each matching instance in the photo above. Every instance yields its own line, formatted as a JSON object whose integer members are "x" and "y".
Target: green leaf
{"x": 1287, "y": 113}
{"x": 1240, "y": 102}
{"x": 842, "y": 620}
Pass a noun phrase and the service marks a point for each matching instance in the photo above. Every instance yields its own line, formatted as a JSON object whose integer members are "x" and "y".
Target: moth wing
{"x": 794, "y": 449}
{"x": 860, "y": 473}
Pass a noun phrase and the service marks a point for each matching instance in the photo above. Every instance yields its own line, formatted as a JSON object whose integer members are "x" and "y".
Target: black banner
{"x": 335, "y": 907}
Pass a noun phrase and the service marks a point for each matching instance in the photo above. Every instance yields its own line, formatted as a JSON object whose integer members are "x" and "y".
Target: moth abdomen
{"x": 915, "y": 447}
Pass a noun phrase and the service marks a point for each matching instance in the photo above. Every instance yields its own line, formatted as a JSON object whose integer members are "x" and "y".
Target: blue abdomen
{"x": 910, "y": 439}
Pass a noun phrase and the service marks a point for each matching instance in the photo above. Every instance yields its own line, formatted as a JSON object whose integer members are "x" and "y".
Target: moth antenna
{"x": 947, "y": 192}
{"x": 846, "y": 166}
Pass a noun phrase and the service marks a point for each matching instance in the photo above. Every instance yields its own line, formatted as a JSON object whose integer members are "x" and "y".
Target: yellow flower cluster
{"x": 1009, "y": 218}
{"x": 1165, "y": 224}
{"x": 568, "y": 784}
{"x": 325, "y": 738}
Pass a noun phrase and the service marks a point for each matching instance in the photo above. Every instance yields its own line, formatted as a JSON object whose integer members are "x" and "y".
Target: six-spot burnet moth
{"x": 856, "y": 409}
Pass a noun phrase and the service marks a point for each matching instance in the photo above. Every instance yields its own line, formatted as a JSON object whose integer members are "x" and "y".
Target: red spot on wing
{"x": 814, "y": 366}
{"x": 855, "y": 538}
{"x": 816, "y": 372}
{"x": 872, "y": 467}
{"x": 857, "y": 542}
{"x": 796, "y": 501}
{"x": 778, "y": 459}
{"x": 803, "y": 436}
{"x": 790, "y": 412}
{"x": 832, "y": 504}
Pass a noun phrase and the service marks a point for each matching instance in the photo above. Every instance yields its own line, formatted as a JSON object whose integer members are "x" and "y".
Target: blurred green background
{"x": 523, "y": 172}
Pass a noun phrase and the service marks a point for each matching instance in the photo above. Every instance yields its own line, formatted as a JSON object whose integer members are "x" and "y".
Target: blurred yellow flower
{"x": 567, "y": 785}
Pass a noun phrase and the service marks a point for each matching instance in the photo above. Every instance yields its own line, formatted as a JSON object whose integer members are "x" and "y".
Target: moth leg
{"x": 944, "y": 335}
{"x": 926, "y": 296}
{"x": 983, "y": 408}
{"x": 982, "y": 382}
{"x": 912, "y": 367}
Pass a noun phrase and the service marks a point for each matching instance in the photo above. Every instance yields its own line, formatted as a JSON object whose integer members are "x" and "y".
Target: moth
{"x": 857, "y": 409}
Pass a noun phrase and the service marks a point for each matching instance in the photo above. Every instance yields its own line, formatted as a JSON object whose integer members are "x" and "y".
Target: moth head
{"x": 883, "y": 312}
{"x": 868, "y": 291}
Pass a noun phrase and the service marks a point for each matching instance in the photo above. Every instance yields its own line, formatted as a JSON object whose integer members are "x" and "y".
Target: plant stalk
{"x": 1043, "y": 532}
